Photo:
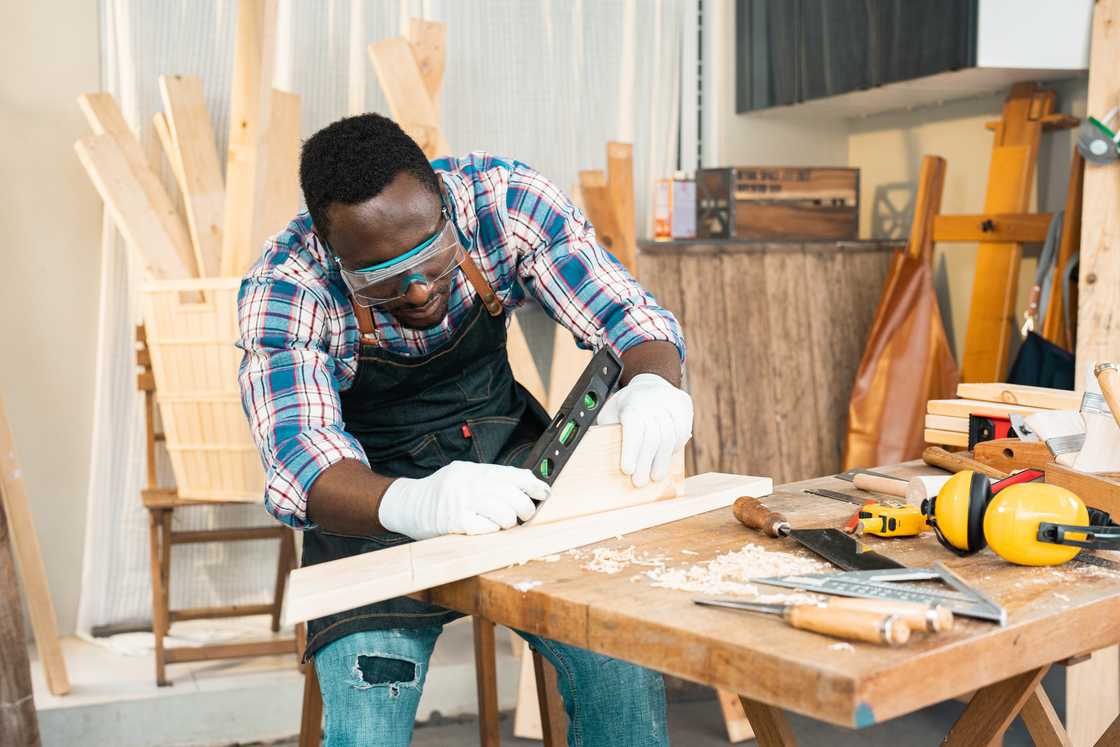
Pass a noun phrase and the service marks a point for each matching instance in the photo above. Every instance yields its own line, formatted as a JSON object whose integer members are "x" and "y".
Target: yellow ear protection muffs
{"x": 956, "y": 513}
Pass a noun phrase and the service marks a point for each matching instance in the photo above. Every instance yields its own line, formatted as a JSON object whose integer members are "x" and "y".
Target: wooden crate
{"x": 778, "y": 203}
{"x": 191, "y": 330}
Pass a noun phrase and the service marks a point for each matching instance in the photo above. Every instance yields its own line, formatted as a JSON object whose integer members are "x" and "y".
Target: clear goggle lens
{"x": 430, "y": 262}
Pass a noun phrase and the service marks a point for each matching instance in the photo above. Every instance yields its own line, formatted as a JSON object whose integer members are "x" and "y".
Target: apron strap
{"x": 365, "y": 322}
{"x": 478, "y": 280}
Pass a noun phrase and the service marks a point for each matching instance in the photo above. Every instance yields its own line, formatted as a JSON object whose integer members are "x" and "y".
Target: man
{"x": 376, "y": 382}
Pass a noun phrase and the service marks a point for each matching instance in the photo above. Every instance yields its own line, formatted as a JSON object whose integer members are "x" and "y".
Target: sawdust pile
{"x": 611, "y": 561}
{"x": 731, "y": 573}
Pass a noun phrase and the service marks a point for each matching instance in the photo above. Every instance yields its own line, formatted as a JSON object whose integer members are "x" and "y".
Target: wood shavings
{"x": 611, "y": 561}
{"x": 689, "y": 552}
{"x": 524, "y": 586}
{"x": 842, "y": 646}
{"x": 730, "y": 573}
{"x": 550, "y": 558}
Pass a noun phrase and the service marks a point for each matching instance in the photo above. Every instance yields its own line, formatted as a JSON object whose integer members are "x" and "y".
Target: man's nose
{"x": 418, "y": 290}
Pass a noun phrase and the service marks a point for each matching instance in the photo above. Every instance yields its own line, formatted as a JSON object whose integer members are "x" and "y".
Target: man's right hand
{"x": 461, "y": 498}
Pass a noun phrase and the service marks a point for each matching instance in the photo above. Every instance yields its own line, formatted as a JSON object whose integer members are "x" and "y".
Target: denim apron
{"x": 415, "y": 414}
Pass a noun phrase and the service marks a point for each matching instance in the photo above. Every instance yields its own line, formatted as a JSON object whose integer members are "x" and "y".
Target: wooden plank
{"x": 592, "y": 480}
{"x": 1010, "y": 181}
{"x": 1098, "y": 292}
{"x": 1092, "y": 696}
{"x": 1098, "y": 491}
{"x": 167, "y": 143}
{"x": 962, "y": 408}
{"x": 1020, "y": 394}
{"x": 1055, "y": 327}
{"x": 407, "y": 95}
{"x": 169, "y": 243}
{"x": 947, "y": 423}
{"x": 282, "y": 163}
{"x": 568, "y": 362}
{"x": 429, "y": 40}
{"x": 32, "y": 572}
{"x": 770, "y": 726}
{"x": 554, "y": 719}
{"x": 18, "y": 722}
{"x": 521, "y": 361}
{"x": 1042, "y": 721}
{"x": 992, "y": 710}
{"x": 620, "y": 187}
{"x": 195, "y": 161}
{"x": 734, "y": 717}
{"x": 527, "y": 716}
{"x": 600, "y": 210}
{"x": 486, "y": 680}
{"x": 406, "y": 569}
{"x": 311, "y": 718}
{"x": 945, "y": 438}
{"x": 1111, "y": 735}
{"x": 1010, "y": 454}
{"x": 250, "y": 102}
{"x": 1025, "y": 228}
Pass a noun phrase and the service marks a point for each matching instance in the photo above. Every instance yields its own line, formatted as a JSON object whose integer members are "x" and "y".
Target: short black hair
{"x": 353, "y": 159}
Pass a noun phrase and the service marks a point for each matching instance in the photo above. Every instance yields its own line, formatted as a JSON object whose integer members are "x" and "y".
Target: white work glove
{"x": 461, "y": 498}
{"x": 656, "y": 420}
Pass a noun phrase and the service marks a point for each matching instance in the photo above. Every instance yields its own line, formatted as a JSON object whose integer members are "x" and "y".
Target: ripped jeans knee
{"x": 391, "y": 671}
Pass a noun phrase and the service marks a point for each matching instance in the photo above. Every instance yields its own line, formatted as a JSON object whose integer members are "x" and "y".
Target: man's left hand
{"x": 656, "y": 420}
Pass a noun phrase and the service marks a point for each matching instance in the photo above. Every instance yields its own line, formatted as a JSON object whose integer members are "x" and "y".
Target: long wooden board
{"x": 31, "y": 569}
{"x": 600, "y": 209}
{"x": 1021, "y": 394}
{"x": 204, "y": 192}
{"x": 962, "y": 408}
{"x": 406, "y": 569}
{"x": 1098, "y": 324}
{"x": 620, "y": 186}
{"x": 281, "y": 165}
{"x": 429, "y": 40}
{"x": 944, "y": 438}
{"x": 521, "y": 361}
{"x": 404, "y": 88}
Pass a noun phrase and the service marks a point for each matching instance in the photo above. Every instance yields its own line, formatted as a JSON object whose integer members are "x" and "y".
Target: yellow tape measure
{"x": 891, "y": 520}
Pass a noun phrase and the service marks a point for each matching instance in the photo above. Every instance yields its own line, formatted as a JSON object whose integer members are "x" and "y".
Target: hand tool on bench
{"x": 935, "y": 456}
{"x": 963, "y": 599}
{"x": 831, "y": 544}
{"x": 918, "y": 617}
{"x": 852, "y": 623}
{"x": 836, "y": 495}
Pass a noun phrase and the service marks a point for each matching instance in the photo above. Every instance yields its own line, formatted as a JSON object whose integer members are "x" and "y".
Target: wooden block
{"x": 521, "y": 361}
{"x": 1026, "y": 228}
{"x": 282, "y": 163}
{"x": 599, "y": 207}
{"x": 945, "y": 438}
{"x": 592, "y": 481}
{"x": 1098, "y": 291}
{"x": 1098, "y": 491}
{"x": 33, "y": 574}
{"x": 351, "y": 582}
{"x": 620, "y": 186}
{"x": 429, "y": 40}
{"x": 135, "y": 216}
{"x": 196, "y": 165}
{"x": 947, "y": 423}
{"x": 250, "y": 102}
{"x": 1020, "y": 394}
{"x": 410, "y": 104}
{"x": 962, "y": 408}
{"x": 1010, "y": 454}
{"x": 568, "y": 362}
{"x": 170, "y": 245}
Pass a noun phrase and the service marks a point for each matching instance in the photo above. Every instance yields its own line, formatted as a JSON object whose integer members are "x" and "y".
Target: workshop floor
{"x": 694, "y": 721}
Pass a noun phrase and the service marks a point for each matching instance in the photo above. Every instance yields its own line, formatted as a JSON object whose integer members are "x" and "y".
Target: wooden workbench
{"x": 1053, "y": 614}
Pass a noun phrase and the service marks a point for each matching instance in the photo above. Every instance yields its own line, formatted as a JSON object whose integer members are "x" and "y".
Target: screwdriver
{"x": 857, "y": 623}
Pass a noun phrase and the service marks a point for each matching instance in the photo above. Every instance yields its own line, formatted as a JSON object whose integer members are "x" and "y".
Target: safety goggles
{"x": 427, "y": 263}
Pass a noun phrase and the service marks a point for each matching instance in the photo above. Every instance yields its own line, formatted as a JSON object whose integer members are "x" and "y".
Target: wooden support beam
{"x": 195, "y": 161}
{"x": 1050, "y": 122}
{"x": 486, "y": 679}
{"x": 771, "y": 728}
{"x": 992, "y": 710}
{"x": 1056, "y": 327}
{"x": 554, "y": 720}
{"x": 1027, "y": 228}
{"x": 1098, "y": 292}
{"x": 1042, "y": 721}
{"x": 250, "y": 102}
{"x": 32, "y": 572}
{"x": 734, "y": 717}
{"x": 620, "y": 186}
{"x": 281, "y": 164}
{"x": 18, "y": 722}
{"x": 340, "y": 585}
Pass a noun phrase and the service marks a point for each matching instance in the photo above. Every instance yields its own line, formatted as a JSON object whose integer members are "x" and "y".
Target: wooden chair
{"x": 161, "y": 503}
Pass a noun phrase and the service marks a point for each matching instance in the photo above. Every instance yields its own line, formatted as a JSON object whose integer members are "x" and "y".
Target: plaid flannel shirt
{"x": 300, "y": 338}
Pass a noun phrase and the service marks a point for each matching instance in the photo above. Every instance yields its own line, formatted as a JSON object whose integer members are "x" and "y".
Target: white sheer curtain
{"x": 547, "y": 82}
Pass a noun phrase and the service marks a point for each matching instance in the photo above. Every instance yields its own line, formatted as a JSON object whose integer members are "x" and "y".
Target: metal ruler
{"x": 836, "y": 495}
{"x": 962, "y": 599}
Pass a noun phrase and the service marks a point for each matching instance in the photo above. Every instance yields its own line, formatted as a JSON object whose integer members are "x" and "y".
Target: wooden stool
{"x": 161, "y": 502}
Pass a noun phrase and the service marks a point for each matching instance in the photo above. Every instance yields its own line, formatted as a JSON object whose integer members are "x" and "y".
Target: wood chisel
{"x": 831, "y": 544}
{"x": 853, "y": 622}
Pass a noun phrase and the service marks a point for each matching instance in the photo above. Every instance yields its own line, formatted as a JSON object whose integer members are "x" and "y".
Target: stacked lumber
{"x": 947, "y": 419}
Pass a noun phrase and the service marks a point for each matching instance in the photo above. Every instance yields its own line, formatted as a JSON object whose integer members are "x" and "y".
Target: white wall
{"x": 49, "y": 275}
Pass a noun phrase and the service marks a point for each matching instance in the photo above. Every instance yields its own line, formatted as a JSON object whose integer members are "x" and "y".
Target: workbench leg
{"x": 283, "y": 568}
{"x": 1092, "y": 696}
{"x": 771, "y": 728}
{"x": 159, "y": 585}
{"x": 992, "y": 709}
{"x": 486, "y": 675}
{"x": 554, "y": 721}
{"x": 1042, "y": 721}
{"x": 1111, "y": 735}
{"x": 311, "y": 721}
{"x": 734, "y": 717}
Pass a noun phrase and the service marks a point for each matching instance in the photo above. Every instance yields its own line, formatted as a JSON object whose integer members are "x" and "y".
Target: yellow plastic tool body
{"x": 891, "y": 520}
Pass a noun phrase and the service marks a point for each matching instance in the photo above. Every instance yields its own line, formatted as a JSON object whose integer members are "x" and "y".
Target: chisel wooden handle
{"x": 932, "y": 619}
{"x": 935, "y": 456}
{"x": 885, "y": 485}
{"x": 1108, "y": 376}
{"x": 852, "y": 624}
{"x": 753, "y": 514}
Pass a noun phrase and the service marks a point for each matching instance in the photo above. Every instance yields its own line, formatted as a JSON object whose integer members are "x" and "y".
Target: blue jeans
{"x": 371, "y": 683}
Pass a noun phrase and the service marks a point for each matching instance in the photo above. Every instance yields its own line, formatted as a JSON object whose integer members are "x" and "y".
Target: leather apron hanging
{"x": 415, "y": 414}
